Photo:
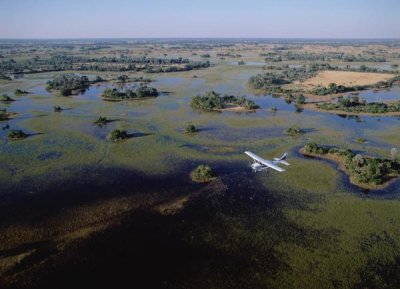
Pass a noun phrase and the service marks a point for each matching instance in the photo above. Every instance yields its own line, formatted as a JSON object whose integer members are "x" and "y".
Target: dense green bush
{"x": 190, "y": 129}
{"x": 294, "y": 131}
{"x": 201, "y": 174}
{"x": 101, "y": 120}
{"x": 16, "y": 134}
{"x": 118, "y": 135}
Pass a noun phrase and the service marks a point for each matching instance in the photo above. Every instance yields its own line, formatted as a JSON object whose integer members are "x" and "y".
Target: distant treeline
{"x": 285, "y": 75}
{"x": 82, "y": 63}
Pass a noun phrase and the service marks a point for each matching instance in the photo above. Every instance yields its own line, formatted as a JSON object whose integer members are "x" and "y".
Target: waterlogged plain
{"x": 306, "y": 228}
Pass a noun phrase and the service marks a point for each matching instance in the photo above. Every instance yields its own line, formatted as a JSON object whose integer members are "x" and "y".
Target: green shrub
{"x": 101, "y": 120}
{"x": 201, "y": 174}
{"x": 118, "y": 135}
{"x": 190, "y": 129}
{"x": 294, "y": 131}
{"x": 16, "y": 134}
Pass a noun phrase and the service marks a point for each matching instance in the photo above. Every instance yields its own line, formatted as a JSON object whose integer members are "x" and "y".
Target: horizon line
{"x": 202, "y": 37}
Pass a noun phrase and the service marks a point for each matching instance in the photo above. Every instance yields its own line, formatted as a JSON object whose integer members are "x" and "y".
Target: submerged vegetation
{"x": 363, "y": 170}
{"x": 214, "y": 101}
{"x": 202, "y": 174}
{"x": 142, "y": 91}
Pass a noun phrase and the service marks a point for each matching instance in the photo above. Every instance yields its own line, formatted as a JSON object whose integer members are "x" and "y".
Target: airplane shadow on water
{"x": 196, "y": 245}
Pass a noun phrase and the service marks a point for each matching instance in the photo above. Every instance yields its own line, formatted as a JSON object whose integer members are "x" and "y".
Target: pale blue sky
{"x": 199, "y": 18}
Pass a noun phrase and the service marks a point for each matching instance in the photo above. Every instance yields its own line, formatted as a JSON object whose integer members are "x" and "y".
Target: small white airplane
{"x": 260, "y": 164}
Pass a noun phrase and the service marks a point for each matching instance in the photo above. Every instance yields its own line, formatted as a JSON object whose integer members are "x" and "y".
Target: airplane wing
{"x": 264, "y": 162}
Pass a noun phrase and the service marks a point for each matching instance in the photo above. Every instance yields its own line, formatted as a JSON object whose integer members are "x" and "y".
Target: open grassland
{"x": 346, "y": 78}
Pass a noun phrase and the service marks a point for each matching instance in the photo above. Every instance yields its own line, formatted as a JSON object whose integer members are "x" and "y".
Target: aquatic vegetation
{"x": 363, "y": 170}
{"x": 202, "y": 174}
{"x": 118, "y": 135}
{"x": 241, "y": 62}
{"x": 16, "y": 134}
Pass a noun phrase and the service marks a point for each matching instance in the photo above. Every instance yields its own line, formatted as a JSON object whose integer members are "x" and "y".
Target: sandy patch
{"x": 347, "y": 78}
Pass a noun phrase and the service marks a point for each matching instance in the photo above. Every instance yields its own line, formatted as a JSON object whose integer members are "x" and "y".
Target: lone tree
{"x": 118, "y": 135}
{"x": 202, "y": 174}
{"x": 190, "y": 129}
{"x": 16, "y": 134}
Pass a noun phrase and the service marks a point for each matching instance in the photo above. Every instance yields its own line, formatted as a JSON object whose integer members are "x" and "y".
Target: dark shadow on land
{"x": 34, "y": 134}
{"x": 138, "y": 134}
{"x": 213, "y": 241}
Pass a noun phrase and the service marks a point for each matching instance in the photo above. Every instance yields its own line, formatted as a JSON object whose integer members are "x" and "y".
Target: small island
{"x": 365, "y": 172}
{"x": 16, "y": 135}
{"x": 129, "y": 94}
{"x": 68, "y": 84}
{"x": 202, "y": 174}
{"x": 214, "y": 101}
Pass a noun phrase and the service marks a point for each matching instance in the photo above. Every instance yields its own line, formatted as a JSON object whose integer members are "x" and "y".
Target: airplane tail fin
{"x": 282, "y": 159}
